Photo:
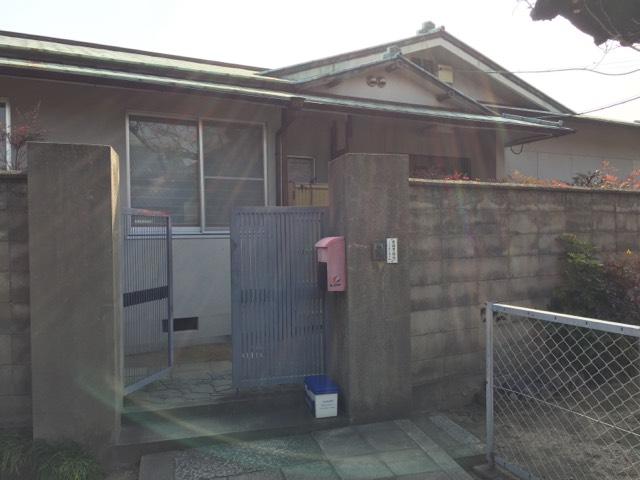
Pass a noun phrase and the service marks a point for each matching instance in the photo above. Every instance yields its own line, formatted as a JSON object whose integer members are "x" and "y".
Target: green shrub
{"x": 605, "y": 290}
{"x": 623, "y": 273}
{"x": 64, "y": 461}
{"x": 15, "y": 455}
{"x": 21, "y": 458}
{"x": 583, "y": 288}
{"x": 608, "y": 290}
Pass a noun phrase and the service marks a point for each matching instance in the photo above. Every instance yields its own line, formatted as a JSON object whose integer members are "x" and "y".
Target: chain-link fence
{"x": 563, "y": 395}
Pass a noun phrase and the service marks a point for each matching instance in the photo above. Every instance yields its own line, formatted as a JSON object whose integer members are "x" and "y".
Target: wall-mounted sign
{"x": 392, "y": 250}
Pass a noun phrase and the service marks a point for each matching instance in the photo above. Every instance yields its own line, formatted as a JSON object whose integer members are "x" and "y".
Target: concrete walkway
{"x": 424, "y": 447}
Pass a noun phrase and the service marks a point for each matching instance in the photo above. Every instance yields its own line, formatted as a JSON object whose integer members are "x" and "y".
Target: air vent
{"x": 181, "y": 324}
{"x": 445, "y": 73}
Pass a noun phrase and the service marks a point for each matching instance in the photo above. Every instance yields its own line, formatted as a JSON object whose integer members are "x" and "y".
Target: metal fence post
{"x": 489, "y": 385}
{"x": 170, "y": 290}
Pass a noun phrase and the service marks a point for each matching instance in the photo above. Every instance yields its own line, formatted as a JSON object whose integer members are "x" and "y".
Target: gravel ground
{"x": 128, "y": 474}
{"x": 548, "y": 449}
{"x": 236, "y": 458}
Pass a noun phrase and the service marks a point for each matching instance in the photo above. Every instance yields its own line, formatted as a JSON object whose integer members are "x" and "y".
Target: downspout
{"x": 287, "y": 118}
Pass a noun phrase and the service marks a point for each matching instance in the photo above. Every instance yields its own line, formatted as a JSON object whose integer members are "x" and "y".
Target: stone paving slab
{"x": 157, "y": 466}
{"x": 384, "y": 437}
{"x": 406, "y": 462}
{"x": 342, "y": 443}
{"x": 322, "y": 470}
{"x": 388, "y": 450}
{"x": 454, "y": 430}
{"x": 362, "y": 467}
{"x": 455, "y": 440}
{"x": 438, "y": 454}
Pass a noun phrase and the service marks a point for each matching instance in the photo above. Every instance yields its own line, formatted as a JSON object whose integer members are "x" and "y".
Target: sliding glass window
{"x": 198, "y": 186}
{"x": 233, "y": 169}
{"x": 164, "y": 168}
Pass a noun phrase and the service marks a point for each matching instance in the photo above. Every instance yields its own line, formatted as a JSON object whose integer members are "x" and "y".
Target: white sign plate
{"x": 392, "y": 250}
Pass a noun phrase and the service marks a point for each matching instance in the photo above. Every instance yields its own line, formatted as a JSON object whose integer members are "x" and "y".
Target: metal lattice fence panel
{"x": 277, "y": 306}
{"x": 563, "y": 395}
{"x": 147, "y": 287}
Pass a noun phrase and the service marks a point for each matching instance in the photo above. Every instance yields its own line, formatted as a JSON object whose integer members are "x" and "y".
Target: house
{"x": 196, "y": 139}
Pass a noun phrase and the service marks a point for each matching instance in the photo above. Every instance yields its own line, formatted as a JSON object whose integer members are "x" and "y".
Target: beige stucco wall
{"x": 74, "y": 113}
{"x": 310, "y": 135}
{"x": 398, "y": 88}
{"x": 377, "y": 135}
{"x": 562, "y": 158}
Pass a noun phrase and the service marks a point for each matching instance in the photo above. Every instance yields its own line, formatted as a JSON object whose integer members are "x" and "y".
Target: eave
{"x": 293, "y": 100}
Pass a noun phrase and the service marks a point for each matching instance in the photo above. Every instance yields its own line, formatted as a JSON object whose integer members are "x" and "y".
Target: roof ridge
{"x": 358, "y": 52}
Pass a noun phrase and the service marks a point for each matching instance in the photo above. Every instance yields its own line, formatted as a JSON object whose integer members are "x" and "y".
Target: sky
{"x": 281, "y": 32}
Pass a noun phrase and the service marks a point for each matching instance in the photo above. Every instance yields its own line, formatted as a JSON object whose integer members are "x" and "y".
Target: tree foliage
{"x": 604, "y": 20}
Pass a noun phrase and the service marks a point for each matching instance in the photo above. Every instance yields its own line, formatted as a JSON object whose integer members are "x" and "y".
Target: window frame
{"x": 7, "y": 119}
{"x": 305, "y": 157}
{"x": 200, "y": 230}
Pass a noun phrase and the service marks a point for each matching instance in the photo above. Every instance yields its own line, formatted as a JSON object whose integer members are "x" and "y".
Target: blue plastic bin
{"x": 321, "y": 394}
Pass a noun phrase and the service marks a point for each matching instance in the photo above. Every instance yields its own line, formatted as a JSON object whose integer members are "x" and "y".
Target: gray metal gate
{"x": 147, "y": 297}
{"x": 277, "y": 307}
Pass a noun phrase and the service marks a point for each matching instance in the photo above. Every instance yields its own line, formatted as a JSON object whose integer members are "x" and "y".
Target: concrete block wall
{"x": 15, "y": 356}
{"x": 473, "y": 243}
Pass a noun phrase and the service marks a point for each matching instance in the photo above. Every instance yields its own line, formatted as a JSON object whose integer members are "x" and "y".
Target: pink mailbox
{"x": 331, "y": 252}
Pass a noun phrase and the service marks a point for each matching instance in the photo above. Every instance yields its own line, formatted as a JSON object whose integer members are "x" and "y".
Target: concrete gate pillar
{"x": 369, "y": 344}
{"x": 75, "y": 293}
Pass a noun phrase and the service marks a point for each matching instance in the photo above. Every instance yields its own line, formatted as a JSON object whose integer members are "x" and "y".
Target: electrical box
{"x": 331, "y": 253}
{"x": 379, "y": 251}
{"x": 385, "y": 250}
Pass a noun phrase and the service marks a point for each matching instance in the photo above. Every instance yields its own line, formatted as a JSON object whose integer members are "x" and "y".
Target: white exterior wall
{"x": 564, "y": 157}
{"x": 73, "y": 113}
